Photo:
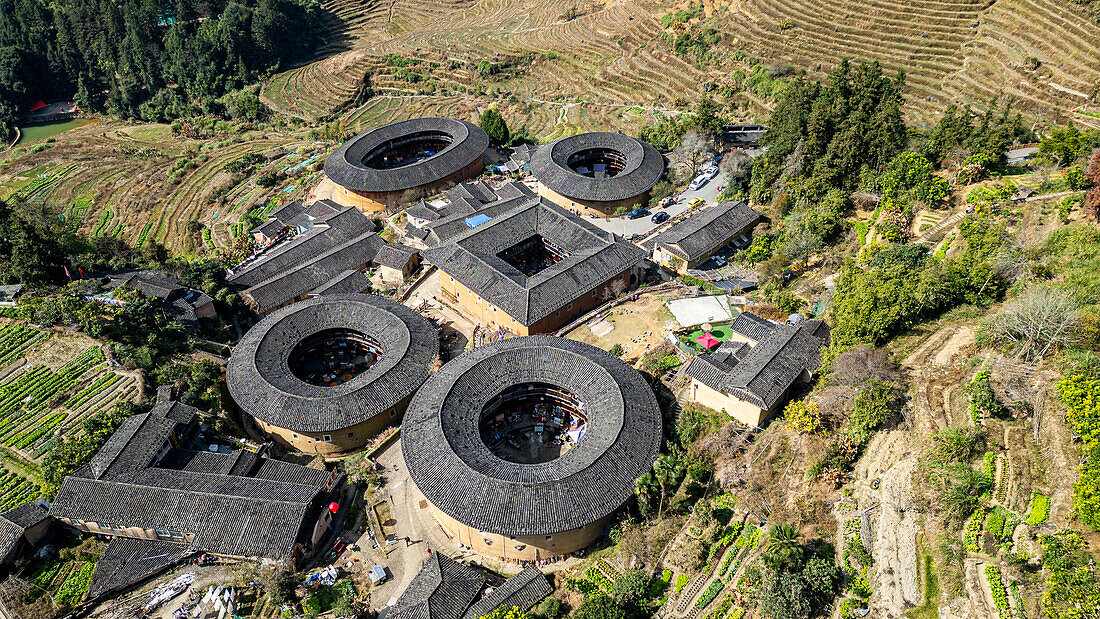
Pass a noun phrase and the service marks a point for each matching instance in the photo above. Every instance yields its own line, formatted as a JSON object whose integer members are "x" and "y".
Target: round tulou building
{"x": 597, "y": 173}
{"x": 326, "y": 375}
{"x": 405, "y": 160}
{"x": 524, "y": 448}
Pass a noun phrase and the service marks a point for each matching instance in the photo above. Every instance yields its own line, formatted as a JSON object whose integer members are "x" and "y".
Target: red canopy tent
{"x": 707, "y": 341}
{"x": 37, "y": 105}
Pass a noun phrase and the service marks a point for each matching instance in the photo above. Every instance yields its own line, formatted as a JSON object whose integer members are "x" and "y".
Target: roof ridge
{"x": 786, "y": 342}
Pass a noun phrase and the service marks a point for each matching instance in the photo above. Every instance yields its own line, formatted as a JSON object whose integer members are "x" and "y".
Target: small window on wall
{"x": 549, "y": 537}
{"x": 326, "y": 438}
{"x": 164, "y": 533}
{"x": 294, "y": 435}
{"x": 351, "y": 435}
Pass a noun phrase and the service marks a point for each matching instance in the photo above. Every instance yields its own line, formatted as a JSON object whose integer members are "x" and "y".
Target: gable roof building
{"x": 532, "y": 267}
{"x": 317, "y": 261}
{"x": 148, "y": 482}
{"x": 446, "y": 589}
{"x": 696, "y": 238}
{"x": 751, "y": 375}
{"x": 22, "y": 526}
{"x": 180, "y": 303}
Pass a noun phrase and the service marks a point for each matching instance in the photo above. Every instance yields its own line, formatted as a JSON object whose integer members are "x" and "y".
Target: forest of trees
{"x": 143, "y": 58}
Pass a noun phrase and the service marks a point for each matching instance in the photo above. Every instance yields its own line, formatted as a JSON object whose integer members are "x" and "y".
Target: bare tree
{"x": 694, "y": 149}
{"x": 1036, "y": 321}
{"x": 856, "y": 366}
{"x": 736, "y": 167}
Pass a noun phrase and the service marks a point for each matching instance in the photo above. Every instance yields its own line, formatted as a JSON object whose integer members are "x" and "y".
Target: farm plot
{"x": 37, "y": 402}
{"x": 15, "y": 490}
{"x": 15, "y": 339}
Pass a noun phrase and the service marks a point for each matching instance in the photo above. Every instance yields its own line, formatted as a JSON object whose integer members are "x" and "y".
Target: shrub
{"x": 803, "y": 416}
{"x": 681, "y": 581}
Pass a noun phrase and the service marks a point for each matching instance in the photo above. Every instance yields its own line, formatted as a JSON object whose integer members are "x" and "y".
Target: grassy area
{"x": 930, "y": 609}
{"x": 719, "y": 332}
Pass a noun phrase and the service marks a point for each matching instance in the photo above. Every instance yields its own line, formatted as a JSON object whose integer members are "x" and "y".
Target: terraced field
{"x": 49, "y": 385}
{"x": 108, "y": 183}
{"x": 612, "y": 56}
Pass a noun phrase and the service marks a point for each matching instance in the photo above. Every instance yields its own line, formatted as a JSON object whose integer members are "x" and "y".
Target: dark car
{"x": 636, "y": 213}
{"x": 660, "y": 218}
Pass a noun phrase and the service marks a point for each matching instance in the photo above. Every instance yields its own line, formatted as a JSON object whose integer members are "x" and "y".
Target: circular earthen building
{"x": 598, "y": 173}
{"x": 524, "y": 448}
{"x": 326, "y": 375}
{"x": 405, "y": 160}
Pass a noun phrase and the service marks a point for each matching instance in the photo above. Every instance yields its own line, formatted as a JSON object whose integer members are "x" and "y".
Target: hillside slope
{"x": 612, "y": 56}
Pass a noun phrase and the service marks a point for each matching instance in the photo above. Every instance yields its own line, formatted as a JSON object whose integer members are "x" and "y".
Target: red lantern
{"x": 333, "y": 506}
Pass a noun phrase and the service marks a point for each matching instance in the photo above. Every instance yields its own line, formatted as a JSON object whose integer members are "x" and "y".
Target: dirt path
{"x": 897, "y": 585}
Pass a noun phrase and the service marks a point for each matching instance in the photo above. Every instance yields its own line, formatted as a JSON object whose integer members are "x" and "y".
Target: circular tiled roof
{"x": 261, "y": 382}
{"x": 346, "y": 165}
{"x": 642, "y": 168}
{"x": 458, "y": 473}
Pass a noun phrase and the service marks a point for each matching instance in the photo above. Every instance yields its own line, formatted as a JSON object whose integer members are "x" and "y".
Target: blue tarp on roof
{"x": 476, "y": 220}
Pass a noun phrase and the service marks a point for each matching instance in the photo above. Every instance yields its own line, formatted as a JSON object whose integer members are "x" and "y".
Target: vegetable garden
{"x": 38, "y": 402}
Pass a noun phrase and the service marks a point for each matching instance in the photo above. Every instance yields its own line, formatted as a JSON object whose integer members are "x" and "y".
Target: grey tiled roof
{"x": 594, "y": 257}
{"x": 522, "y": 591}
{"x": 269, "y": 228}
{"x": 705, "y": 232}
{"x": 128, "y": 561}
{"x": 328, "y": 233}
{"x": 442, "y": 589}
{"x": 289, "y": 214}
{"x": 458, "y": 474}
{"x": 752, "y": 326}
{"x": 15, "y": 522}
{"x": 352, "y": 281}
{"x": 322, "y": 209}
{"x": 394, "y": 255}
{"x": 763, "y": 374}
{"x": 176, "y": 300}
{"x": 315, "y": 271}
{"x": 345, "y": 166}
{"x": 26, "y": 515}
{"x": 239, "y": 513}
{"x": 262, "y": 384}
{"x": 643, "y": 167}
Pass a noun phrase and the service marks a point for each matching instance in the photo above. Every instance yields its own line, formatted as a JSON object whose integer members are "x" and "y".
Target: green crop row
{"x": 144, "y": 234}
{"x": 14, "y": 339}
{"x": 722, "y": 608}
{"x": 973, "y": 528}
{"x": 997, "y": 587}
{"x": 1040, "y": 510}
{"x": 105, "y": 217}
{"x": 712, "y": 592}
{"x": 99, "y": 386}
{"x": 75, "y": 586}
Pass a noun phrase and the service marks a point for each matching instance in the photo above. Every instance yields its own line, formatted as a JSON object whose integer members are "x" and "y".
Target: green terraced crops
{"x": 144, "y": 234}
{"x": 14, "y": 339}
{"x": 104, "y": 219}
{"x": 16, "y": 490}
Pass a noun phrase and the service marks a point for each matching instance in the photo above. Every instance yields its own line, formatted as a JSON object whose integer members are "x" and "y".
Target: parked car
{"x": 711, "y": 172}
{"x": 697, "y": 202}
{"x": 698, "y": 182}
{"x": 719, "y": 260}
{"x": 666, "y": 202}
{"x": 660, "y": 218}
{"x": 636, "y": 213}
